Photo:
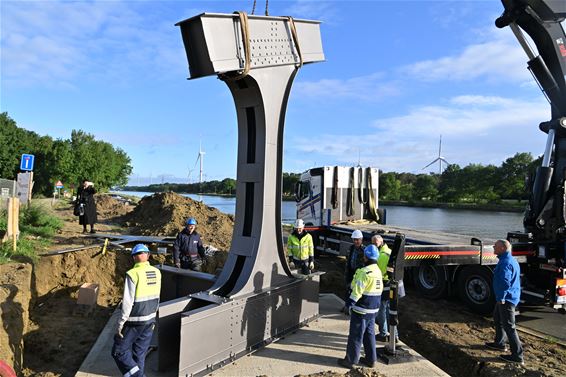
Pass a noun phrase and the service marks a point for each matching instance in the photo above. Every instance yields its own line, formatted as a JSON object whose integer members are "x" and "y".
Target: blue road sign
{"x": 27, "y": 162}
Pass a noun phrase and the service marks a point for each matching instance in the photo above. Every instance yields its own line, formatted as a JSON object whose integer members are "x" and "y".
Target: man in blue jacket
{"x": 507, "y": 289}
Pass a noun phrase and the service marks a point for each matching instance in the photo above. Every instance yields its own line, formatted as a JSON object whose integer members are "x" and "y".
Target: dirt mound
{"x": 58, "y": 339}
{"x": 14, "y": 302}
{"x": 164, "y": 214}
{"x": 109, "y": 207}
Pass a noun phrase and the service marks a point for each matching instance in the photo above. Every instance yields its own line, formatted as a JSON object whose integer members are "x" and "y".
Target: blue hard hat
{"x": 191, "y": 221}
{"x": 139, "y": 248}
{"x": 371, "y": 252}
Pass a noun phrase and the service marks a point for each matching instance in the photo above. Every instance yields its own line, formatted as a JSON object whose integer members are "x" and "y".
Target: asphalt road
{"x": 542, "y": 319}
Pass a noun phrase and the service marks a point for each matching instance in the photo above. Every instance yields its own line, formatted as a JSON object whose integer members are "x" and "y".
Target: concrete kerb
{"x": 311, "y": 349}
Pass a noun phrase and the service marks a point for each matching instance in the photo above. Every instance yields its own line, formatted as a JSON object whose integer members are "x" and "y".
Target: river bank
{"x": 509, "y": 207}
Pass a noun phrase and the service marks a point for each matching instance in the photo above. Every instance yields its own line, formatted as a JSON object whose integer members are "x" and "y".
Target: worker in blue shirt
{"x": 363, "y": 305}
{"x": 507, "y": 289}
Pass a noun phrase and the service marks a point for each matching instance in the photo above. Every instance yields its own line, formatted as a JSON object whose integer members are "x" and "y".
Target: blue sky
{"x": 397, "y": 75}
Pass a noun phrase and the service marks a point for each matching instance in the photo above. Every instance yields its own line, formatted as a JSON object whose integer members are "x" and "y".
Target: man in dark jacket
{"x": 507, "y": 289}
{"x": 355, "y": 260}
{"x": 188, "y": 251}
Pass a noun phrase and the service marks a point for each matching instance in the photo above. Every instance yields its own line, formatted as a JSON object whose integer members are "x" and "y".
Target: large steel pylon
{"x": 256, "y": 298}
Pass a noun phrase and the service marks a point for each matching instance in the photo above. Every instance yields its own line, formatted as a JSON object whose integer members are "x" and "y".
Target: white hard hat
{"x": 357, "y": 234}
{"x": 299, "y": 223}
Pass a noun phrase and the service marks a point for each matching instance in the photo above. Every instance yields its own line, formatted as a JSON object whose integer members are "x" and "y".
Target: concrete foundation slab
{"x": 311, "y": 349}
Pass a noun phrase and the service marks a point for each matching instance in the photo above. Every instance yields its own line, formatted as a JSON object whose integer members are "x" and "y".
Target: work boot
{"x": 496, "y": 346}
{"x": 512, "y": 359}
{"x": 381, "y": 338}
{"x": 345, "y": 363}
{"x": 366, "y": 363}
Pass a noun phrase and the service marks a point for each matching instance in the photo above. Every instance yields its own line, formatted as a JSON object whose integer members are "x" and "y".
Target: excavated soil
{"x": 452, "y": 338}
{"x": 164, "y": 214}
{"x": 56, "y": 338}
{"x": 15, "y": 280}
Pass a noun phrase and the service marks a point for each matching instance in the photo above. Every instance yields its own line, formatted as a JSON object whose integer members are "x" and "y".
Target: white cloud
{"x": 372, "y": 87}
{"x": 498, "y": 57}
{"x": 56, "y": 43}
{"x": 475, "y": 129}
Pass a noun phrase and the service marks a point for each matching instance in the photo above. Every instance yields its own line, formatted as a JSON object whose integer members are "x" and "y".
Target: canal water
{"x": 481, "y": 224}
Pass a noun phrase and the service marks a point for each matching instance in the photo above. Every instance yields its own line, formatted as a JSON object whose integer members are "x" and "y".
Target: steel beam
{"x": 256, "y": 298}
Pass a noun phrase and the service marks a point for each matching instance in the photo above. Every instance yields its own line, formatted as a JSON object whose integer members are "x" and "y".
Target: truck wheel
{"x": 431, "y": 281}
{"x": 475, "y": 289}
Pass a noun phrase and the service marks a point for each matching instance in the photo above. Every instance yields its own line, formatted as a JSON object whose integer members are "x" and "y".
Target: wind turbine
{"x": 200, "y": 158}
{"x": 440, "y": 159}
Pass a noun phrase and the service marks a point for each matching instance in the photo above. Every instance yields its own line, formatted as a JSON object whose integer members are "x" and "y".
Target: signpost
{"x": 59, "y": 186}
{"x": 26, "y": 163}
{"x": 25, "y": 179}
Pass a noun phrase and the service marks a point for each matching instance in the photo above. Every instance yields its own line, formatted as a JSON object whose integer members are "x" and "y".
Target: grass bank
{"x": 37, "y": 226}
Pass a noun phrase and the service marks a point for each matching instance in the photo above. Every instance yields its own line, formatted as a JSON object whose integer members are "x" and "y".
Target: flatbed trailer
{"x": 437, "y": 263}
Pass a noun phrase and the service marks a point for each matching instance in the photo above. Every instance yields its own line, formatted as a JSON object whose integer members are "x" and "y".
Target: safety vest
{"x": 383, "y": 260}
{"x": 147, "y": 280}
{"x": 300, "y": 249}
{"x": 366, "y": 289}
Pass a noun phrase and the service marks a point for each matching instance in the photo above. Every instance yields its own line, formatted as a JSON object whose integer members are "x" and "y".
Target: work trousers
{"x": 129, "y": 352}
{"x": 382, "y": 318}
{"x": 302, "y": 265}
{"x": 188, "y": 263}
{"x": 504, "y": 318}
{"x": 361, "y": 331}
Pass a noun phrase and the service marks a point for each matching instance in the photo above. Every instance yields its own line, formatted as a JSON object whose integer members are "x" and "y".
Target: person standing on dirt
{"x": 507, "y": 289}
{"x": 137, "y": 321}
{"x": 363, "y": 305}
{"x": 300, "y": 249}
{"x": 86, "y": 205}
{"x": 188, "y": 251}
{"x": 354, "y": 261}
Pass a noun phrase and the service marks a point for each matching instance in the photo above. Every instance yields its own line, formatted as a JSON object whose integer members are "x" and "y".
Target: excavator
{"x": 545, "y": 216}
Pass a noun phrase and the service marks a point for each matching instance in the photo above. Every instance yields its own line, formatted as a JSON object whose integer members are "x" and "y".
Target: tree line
{"x": 474, "y": 183}
{"x": 227, "y": 186}
{"x": 66, "y": 160}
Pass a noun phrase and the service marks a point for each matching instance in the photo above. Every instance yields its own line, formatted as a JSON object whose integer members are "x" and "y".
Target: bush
{"x": 37, "y": 227}
{"x": 36, "y": 221}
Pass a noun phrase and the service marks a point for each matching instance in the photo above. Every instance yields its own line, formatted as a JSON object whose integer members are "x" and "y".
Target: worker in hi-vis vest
{"x": 137, "y": 320}
{"x": 383, "y": 314}
{"x": 363, "y": 305}
{"x": 300, "y": 249}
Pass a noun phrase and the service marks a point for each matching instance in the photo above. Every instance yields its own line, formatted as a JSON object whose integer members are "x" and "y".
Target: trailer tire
{"x": 475, "y": 288}
{"x": 431, "y": 280}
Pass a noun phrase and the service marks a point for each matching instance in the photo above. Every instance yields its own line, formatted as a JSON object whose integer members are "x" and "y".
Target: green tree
{"x": 426, "y": 187}
{"x": 513, "y": 174}
{"x": 389, "y": 186}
